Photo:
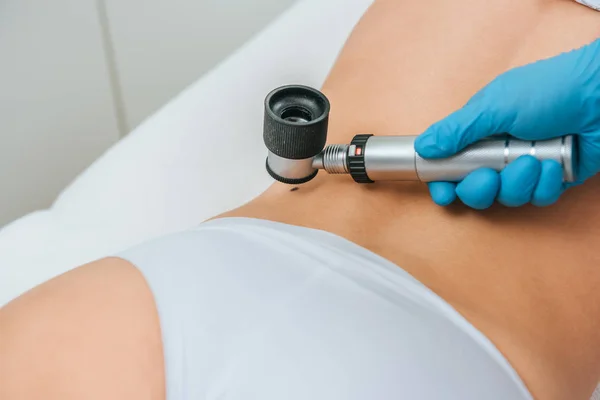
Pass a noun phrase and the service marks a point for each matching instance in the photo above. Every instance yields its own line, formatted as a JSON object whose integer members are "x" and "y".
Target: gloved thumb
{"x": 465, "y": 126}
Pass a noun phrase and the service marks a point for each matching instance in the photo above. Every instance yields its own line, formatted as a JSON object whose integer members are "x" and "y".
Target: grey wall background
{"x": 76, "y": 75}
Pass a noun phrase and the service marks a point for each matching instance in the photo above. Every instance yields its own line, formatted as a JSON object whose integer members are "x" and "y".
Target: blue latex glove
{"x": 546, "y": 99}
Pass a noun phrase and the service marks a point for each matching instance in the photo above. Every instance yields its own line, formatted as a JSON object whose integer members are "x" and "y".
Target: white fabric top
{"x": 252, "y": 309}
{"x": 595, "y": 4}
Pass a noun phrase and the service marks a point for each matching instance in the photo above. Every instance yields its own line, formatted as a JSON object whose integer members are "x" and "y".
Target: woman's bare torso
{"x": 528, "y": 277}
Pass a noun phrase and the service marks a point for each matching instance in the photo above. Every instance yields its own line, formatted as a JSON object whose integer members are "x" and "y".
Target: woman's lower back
{"x": 526, "y": 277}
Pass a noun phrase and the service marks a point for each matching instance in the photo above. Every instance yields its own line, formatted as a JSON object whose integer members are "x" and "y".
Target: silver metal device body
{"x": 291, "y": 169}
{"x": 393, "y": 158}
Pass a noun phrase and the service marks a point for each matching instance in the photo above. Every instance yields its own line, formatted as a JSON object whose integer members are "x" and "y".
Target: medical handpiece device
{"x": 295, "y": 134}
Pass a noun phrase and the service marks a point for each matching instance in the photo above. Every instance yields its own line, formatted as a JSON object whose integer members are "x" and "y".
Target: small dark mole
{"x": 294, "y": 189}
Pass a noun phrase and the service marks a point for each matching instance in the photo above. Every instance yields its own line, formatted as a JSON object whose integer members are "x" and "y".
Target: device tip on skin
{"x": 295, "y": 132}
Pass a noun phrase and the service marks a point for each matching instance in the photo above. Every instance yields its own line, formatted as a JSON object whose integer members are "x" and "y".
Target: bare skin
{"x": 92, "y": 333}
{"x": 526, "y": 277}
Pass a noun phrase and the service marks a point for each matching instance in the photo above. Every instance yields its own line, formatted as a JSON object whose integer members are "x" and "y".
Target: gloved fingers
{"x": 519, "y": 180}
{"x": 465, "y": 126}
{"x": 550, "y": 186}
{"x": 479, "y": 189}
{"x": 442, "y": 193}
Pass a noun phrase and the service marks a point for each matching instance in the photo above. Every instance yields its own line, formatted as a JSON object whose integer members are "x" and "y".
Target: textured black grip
{"x": 356, "y": 160}
{"x": 295, "y": 124}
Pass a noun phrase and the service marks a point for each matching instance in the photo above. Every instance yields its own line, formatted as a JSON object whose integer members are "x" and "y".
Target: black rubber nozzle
{"x": 296, "y": 119}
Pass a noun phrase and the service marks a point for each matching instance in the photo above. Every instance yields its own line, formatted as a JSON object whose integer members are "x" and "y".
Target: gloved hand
{"x": 546, "y": 99}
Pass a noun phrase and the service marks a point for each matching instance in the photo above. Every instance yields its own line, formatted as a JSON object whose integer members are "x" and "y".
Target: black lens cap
{"x": 295, "y": 122}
